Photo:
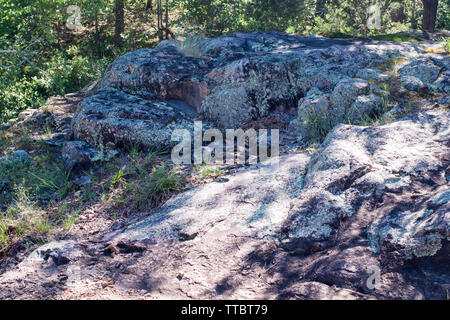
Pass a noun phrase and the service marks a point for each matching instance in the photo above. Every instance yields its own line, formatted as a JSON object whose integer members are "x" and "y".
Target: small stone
{"x": 422, "y": 68}
{"x": 79, "y": 153}
{"x": 82, "y": 181}
{"x": 19, "y": 156}
{"x": 5, "y": 126}
{"x": 412, "y": 83}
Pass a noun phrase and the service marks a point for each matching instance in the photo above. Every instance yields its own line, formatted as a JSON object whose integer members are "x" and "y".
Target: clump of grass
{"x": 89, "y": 194}
{"x": 61, "y": 210}
{"x": 5, "y": 142}
{"x": 312, "y": 148}
{"x": 391, "y": 65}
{"x": 411, "y": 107}
{"x": 118, "y": 177}
{"x": 446, "y": 44}
{"x": 42, "y": 225}
{"x": 396, "y": 37}
{"x": 191, "y": 46}
{"x": 384, "y": 86}
{"x": 40, "y": 180}
{"x": 319, "y": 125}
{"x": 160, "y": 183}
{"x": 48, "y": 131}
{"x": 145, "y": 181}
{"x": 70, "y": 220}
{"x": 208, "y": 171}
{"x": 4, "y": 238}
{"x": 23, "y": 217}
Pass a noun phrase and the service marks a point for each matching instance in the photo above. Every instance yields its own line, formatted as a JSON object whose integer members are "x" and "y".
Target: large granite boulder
{"x": 160, "y": 74}
{"x": 430, "y": 71}
{"x": 360, "y": 167}
{"x": 237, "y": 78}
{"x": 351, "y": 100}
{"x": 365, "y": 217}
{"x": 123, "y": 120}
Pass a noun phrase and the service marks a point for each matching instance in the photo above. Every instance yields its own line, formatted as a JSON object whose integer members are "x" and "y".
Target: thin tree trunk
{"x": 150, "y": 5}
{"x": 159, "y": 14}
{"x": 320, "y": 8}
{"x": 97, "y": 34}
{"x": 429, "y": 14}
{"x": 167, "y": 19}
{"x": 414, "y": 19}
{"x": 119, "y": 23}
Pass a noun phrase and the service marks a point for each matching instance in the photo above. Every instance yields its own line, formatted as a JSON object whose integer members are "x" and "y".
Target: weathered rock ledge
{"x": 312, "y": 227}
{"x": 241, "y": 77}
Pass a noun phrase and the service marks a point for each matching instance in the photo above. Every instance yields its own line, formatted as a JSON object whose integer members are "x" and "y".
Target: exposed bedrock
{"x": 428, "y": 71}
{"x": 246, "y": 76}
{"x": 371, "y": 199}
{"x": 368, "y": 198}
{"x": 122, "y": 120}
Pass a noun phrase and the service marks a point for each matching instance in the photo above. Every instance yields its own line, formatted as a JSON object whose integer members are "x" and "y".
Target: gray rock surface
{"x": 429, "y": 71}
{"x": 364, "y": 164}
{"x": 370, "y": 198}
{"x": 309, "y": 227}
{"x": 237, "y": 78}
{"x": 412, "y": 83}
{"x": 418, "y": 232}
{"x": 252, "y": 203}
{"x": 114, "y": 117}
{"x": 16, "y": 157}
{"x": 350, "y": 101}
{"x": 335, "y": 212}
{"x": 79, "y": 153}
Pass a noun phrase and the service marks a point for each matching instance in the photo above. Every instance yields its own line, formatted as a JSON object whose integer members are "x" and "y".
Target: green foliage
{"x": 36, "y": 181}
{"x": 395, "y": 37}
{"x": 446, "y": 44}
{"x": 45, "y": 58}
{"x": 443, "y": 15}
{"x": 216, "y": 17}
{"x": 333, "y": 18}
{"x": 319, "y": 125}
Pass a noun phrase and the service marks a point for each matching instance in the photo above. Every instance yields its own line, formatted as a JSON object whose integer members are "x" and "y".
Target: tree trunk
{"x": 159, "y": 14}
{"x": 97, "y": 34}
{"x": 120, "y": 22}
{"x": 429, "y": 14}
{"x": 320, "y": 8}
{"x": 413, "y": 18}
{"x": 150, "y": 5}
{"x": 167, "y": 19}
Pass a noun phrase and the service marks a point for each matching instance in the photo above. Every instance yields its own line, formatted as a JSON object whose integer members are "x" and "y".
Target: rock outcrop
{"x": 114, "y": 117}
{"x": 365, "y": 216}
{"x": 246, "y": 76}
{"x": 309, "y": 227}
{"x": 19, "y": 156}
{"x": 428, "y": 71}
